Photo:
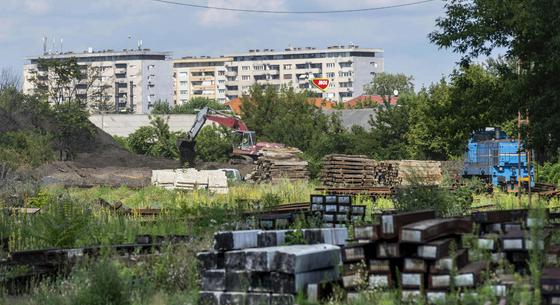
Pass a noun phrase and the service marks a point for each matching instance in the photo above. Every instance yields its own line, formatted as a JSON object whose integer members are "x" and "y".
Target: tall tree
{"x": 385, "y": 84}
{"x": 389, "y": 129}
{"x": 529, "y": 30}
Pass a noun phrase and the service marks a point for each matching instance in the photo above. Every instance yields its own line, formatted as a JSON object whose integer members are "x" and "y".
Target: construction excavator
{"x": 245, "y": 147}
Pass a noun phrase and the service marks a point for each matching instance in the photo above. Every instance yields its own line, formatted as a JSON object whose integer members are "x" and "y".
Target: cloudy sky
{"x": 108, "y": 24}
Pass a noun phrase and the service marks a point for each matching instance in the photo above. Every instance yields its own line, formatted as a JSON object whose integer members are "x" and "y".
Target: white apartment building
{"x": 132, "y": 80}
{"x": 200, "y": 77}
{"x": 349, "y": 69}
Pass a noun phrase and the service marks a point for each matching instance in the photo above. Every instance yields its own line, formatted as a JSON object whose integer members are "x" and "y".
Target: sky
{"x": 184, "y": 31}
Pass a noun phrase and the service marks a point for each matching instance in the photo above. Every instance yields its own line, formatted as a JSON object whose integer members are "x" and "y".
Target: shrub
{"x": 103, "y": 285}
{"x": 214, "y": 144}
{"x": 444, "y": 201}
{"x": 61, "y": 224}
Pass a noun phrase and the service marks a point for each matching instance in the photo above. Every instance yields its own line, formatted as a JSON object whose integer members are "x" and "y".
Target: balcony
{"x": 120, "y": 71}
{"x": 231, "y": 73}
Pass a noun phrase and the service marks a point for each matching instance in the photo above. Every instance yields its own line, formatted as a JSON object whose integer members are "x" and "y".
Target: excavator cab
{"x": 244, "y": 140}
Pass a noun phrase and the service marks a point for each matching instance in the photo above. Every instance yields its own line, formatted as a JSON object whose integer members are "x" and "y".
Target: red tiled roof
{"x": 369, "y": 100}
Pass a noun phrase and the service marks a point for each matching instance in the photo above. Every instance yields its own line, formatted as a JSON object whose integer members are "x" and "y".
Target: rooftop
{"x": 307, "y": 50}
{"x": 102, "y": 53}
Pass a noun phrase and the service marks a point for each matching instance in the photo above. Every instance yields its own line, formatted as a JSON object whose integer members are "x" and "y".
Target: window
{"x": 222, "y": 81}
{"x": 183, "y": 83}
{"x": 346, "y": 84}
{"x": 183, "y": 92}
{"x": 330, "y": 65}
{"x": 287, "y": 67}
{"x": 344, "y": 74}
{"x": 151, "y": 67}
{"x": 346, "y": 64}
{"x": 221, "y": 73}
{"x": 330, "y": 74}
{"x": 287, "y": 76}
{"x": 258, "y": 68}
{"x": 245, "y": 68}
{"x": 183, "y": 75}
{"x": 246, "y": 77}
{"x": 222, "y": 91}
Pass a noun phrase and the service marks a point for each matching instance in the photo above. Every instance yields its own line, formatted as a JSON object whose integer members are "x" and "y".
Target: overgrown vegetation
{"x": 190, "y": 107}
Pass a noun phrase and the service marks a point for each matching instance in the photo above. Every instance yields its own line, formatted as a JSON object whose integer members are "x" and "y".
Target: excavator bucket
{"x": 187, "y": 153}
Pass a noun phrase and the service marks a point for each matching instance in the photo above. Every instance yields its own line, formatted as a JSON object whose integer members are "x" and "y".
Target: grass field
{"x": 69, "y": 218}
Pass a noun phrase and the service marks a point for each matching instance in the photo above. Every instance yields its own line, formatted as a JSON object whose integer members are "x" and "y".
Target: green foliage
{"x": 73, "y": 129}
{"x": 550, "y": 173}
{"x": 525, "y": 30}
{"x": 141, "y": 140}
{"x": 444, "y": 201}
{"x": 122, "y": 141}
{"x": 191, "y": 107}
{"x": 154, "y": 140}
{"x": 30, "y": 148}
{"x": 389, "y": 131}
{"x": 104, "y": 286}
{"x": 214, "y": 144}
{"x": 161, "y": 107}
{"x": 61, "y": 224}
{"x": 384, "y": 84}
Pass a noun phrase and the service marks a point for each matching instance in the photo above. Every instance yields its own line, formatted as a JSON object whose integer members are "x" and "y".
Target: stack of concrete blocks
{"x": 255, "y": 267}
{"x": 191, "y": 179}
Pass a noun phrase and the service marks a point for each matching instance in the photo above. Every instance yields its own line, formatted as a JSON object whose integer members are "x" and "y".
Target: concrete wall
{"x": 125, "y": 124}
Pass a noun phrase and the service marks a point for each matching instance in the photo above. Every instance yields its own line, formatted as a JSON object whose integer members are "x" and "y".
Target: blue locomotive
{"x": 493, "y": 157}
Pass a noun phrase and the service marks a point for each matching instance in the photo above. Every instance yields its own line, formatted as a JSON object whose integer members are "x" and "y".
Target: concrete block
{"x": 209, "y": 297}
{"x": 301, "y": 258}
{"x": 272, "y": 238}
{"x": 235, "y": 240}
{"x": 213, "y": 280}
{"x": 207, "y": 260}
{"x": 282, "y": 299}
{"x": 233, "y": 298}
{"x": 258, "y": 299}
{"x": 294, "y": 283}
{"x": 292, "y": 259}
{"x": 332, "y": 236}
{"x": 235, "y": 260}
{"x": 247, "y": 281}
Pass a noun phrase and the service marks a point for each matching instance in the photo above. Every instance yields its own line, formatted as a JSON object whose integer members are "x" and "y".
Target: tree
{"x": 64, "y": 81}
{"x": 154, "y": 140}
{"x": 214, "y": 144}
{"x": 528, "y": 30}
{"x": 197, "y": 103}
{"x": 161, "y": 107}
{"x": 389, "y": 130}
{"x": 384, "y": 84}
{"x": 141, "y": 140}
{"x": 9, "y": 79}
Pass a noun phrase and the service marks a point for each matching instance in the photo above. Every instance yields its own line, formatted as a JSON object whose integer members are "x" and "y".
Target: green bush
{"x": 214, "y": 144}
{"x": 154, "y": 140}
{"x": 444, "y": 201}
{"x": 62, "y": 223}
{"x": 18, "y": 148}
{"x": 103, "y": 285}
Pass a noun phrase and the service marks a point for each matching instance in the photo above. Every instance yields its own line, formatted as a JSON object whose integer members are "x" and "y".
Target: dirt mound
{"x": 104, "y": 151}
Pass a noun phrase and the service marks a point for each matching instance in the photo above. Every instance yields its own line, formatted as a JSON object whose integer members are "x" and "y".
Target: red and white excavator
{"x": 245, "y": 147}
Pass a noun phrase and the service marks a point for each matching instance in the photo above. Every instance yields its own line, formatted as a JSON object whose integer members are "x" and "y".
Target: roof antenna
{"x": 61, "y": 40}
{"x": 139, "y": 45}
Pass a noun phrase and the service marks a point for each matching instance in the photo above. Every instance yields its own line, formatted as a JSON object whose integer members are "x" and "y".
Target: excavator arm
{"x": 187, "y": 144}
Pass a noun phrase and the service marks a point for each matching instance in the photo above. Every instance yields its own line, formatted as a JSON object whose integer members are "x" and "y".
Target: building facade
{"x": 200, "y": 77}
{"x": 348, "y": 68}
{"x": 124, "y": 81}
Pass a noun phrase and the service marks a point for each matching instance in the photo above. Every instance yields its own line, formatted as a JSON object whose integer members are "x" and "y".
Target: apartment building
{"x": 124, "y": 81}
{"x": 200, "y": 77}
{"x": 349, "y": 69}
